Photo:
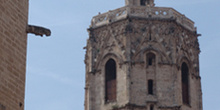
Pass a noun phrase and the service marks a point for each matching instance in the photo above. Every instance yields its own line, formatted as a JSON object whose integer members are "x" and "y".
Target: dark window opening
{"x": 151, "y": 107}
{"x": 110, "y": 81}
{"x": 143, "y": 2}
{"x": 185, "y": 83}
{"x": 150, "y": 59}
{"x": 150, "y": 87}
{"x": 150, "y": 37}
{"x": 150, "y": 33}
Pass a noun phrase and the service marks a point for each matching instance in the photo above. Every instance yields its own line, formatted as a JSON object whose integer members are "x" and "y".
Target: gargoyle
{"x": 37, "y": 30}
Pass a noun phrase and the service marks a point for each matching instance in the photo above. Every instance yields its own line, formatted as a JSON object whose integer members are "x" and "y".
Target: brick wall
{"x": 13, "y": 44}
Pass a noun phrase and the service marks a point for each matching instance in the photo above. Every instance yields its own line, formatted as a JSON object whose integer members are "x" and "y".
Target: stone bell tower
{"x": 142, "y": 57}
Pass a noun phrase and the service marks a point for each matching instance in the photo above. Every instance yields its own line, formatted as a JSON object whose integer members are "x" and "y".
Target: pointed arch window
{"x": 150, "y": 59}
{"x": 185, "y": 83}
{"x": 110, "y": 81}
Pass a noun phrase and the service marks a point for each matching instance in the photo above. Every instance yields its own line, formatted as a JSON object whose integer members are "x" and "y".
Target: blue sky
{"x": 55, "y": 65}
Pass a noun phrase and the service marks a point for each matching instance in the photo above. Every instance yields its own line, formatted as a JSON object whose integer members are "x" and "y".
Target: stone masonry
{"x": 156, "y": 55}
{"x": 13, "y": 44}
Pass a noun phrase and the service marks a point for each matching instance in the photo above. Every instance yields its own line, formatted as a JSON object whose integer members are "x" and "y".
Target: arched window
{"x": 185, "y": 83}
{"x": 150, "y": 87}
{"x": 110, "y": 81}
{"x": 150, "y": 59}
{"x": 143, "y": 2}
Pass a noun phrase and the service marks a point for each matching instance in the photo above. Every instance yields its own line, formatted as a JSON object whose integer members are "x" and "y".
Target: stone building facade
{"x": 142, "y": 57}
{"x": 13, "y": 44}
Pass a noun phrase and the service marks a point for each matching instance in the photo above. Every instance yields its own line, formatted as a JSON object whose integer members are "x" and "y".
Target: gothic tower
{"x": 142, "y": 57}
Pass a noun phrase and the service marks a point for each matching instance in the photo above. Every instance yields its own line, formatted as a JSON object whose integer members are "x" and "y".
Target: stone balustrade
{"x": 142, "y": 12}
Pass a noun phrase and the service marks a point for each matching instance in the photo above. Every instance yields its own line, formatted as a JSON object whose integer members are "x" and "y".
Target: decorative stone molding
{"x": 130, "y": 107}
{"x": 170, "y": 108}
{"x": 127, "y": 35}
{"x": 142, "y": 12}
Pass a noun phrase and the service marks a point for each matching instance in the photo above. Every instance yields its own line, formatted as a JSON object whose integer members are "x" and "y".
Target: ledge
{"x": 142, "y": 12}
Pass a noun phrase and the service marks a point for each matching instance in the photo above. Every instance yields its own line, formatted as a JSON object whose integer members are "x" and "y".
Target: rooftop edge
{"x": 142, "y": 12}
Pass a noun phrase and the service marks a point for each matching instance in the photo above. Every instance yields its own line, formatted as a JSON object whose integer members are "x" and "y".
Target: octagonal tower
{"x": 142, "y": 57}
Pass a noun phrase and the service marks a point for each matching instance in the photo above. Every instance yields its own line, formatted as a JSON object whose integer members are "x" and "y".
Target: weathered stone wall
{"x": 13, "y": 42}
{"x": 128, "y": 35}
{"x": 107, "y": 43}
{"x": 128, "y": 42}
{"x": 172, "y": 45}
